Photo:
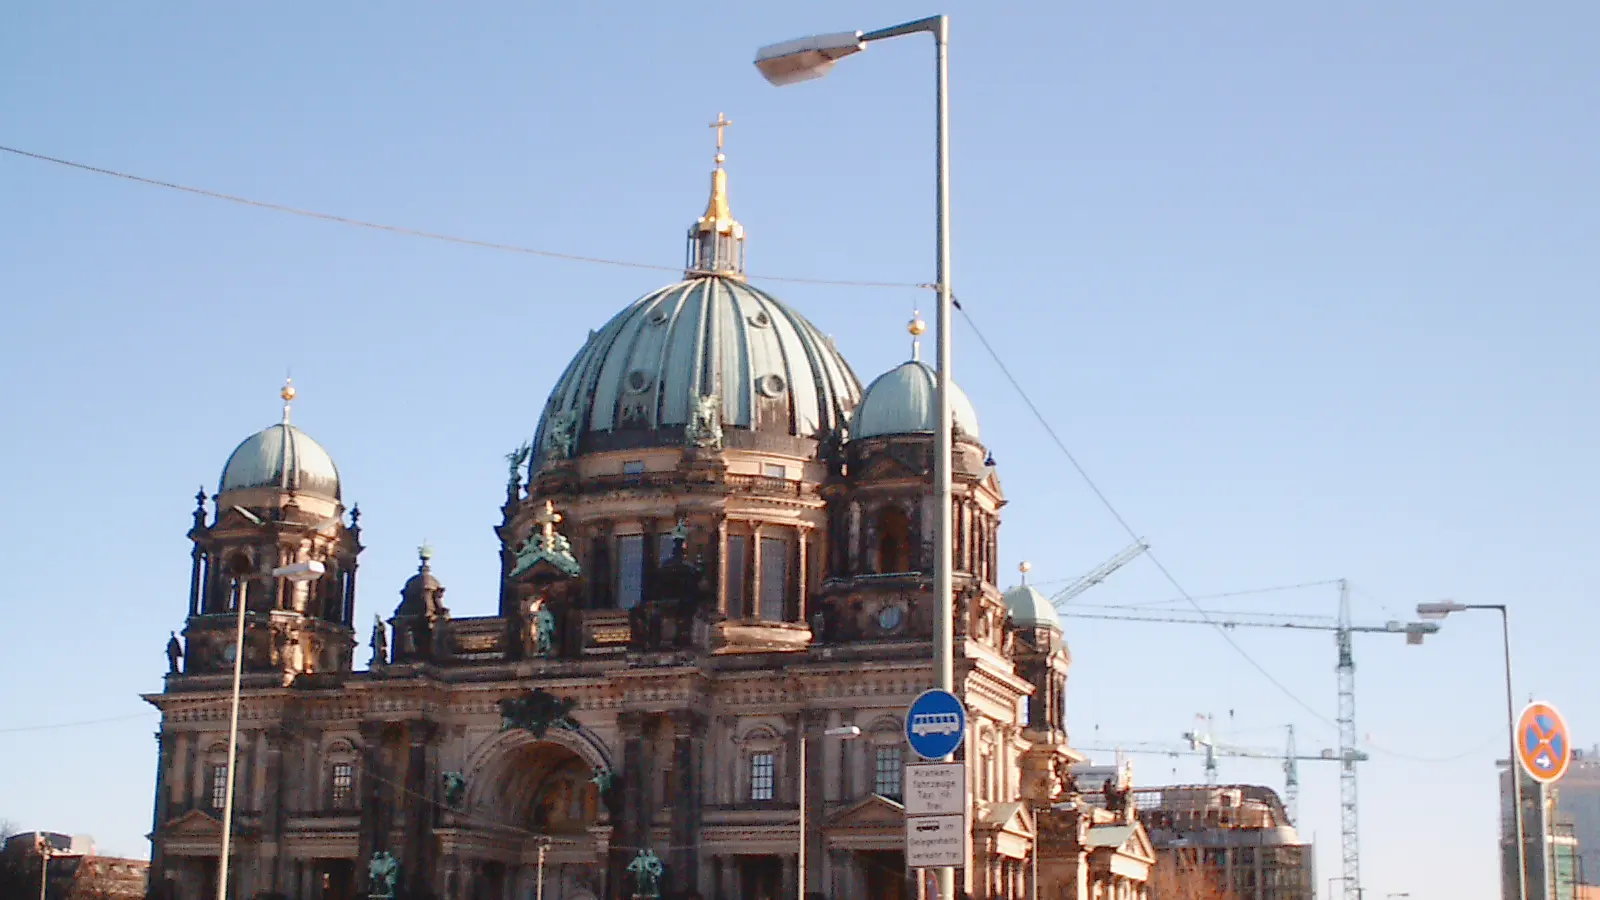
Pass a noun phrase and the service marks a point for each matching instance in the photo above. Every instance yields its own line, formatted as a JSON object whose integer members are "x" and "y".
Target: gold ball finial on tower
{"x": 287, "y": 393}
{"x": 1024, "y": 567}
{"x": 916, "y": 327}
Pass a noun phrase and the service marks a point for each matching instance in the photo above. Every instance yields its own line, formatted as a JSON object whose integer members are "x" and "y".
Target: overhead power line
{"x": 429, "y": 235}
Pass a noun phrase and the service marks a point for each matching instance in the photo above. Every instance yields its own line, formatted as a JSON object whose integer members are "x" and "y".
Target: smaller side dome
{"x": 903, "y": 400}
{"x": 1031, "y": 609}
{"x": 284, "y": 457}
{"x": 423, "y": 594}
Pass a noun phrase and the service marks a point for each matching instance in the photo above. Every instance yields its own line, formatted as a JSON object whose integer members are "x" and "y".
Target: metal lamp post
{"x": 1441, "y": 609}
{"x": 813, "y": 57}
{"x": 299, "y": 572}
{"x": 847, "y": 732}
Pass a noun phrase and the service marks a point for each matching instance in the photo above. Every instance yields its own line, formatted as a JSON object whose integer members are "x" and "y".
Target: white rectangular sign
{"x": 936, "y": 789}
{"x": 936, "y": 841}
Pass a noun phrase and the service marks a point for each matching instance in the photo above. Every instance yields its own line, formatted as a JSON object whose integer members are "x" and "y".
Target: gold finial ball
{"x": 1025, "y": 567}
{"x": 721, "y": 159}
{"x": 288, "y": 391}
{"x": 916, "y": 326}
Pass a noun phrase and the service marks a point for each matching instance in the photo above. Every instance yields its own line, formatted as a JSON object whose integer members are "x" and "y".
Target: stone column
{"x": 802, "y": 535}
{"x": 684, "y": 855}
{"x": 376, "y": 816}
{"x": 786, "y": 889}
{"x": 418, "y": 849}
{"x": 728, "y": 884}
{"x": 811, "y": 722}
{"x": 630, "y": 823}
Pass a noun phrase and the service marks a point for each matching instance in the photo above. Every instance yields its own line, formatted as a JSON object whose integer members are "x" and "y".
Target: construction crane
{"x": 1200, "y": 744}
{"x": 1344, "y": 630}
{"x": 1100, "y": 573}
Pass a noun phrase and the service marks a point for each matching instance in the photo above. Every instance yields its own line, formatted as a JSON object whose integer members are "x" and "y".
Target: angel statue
{"x": 646, "y": 870}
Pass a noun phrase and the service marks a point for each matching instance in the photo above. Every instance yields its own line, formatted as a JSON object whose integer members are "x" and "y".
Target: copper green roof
{"x": 903, "y": 400}
{"x": 641, "y": 378}
{"x": 284, "y": 457}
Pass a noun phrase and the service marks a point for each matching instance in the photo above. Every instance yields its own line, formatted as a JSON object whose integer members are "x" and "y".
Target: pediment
{"x": 875, "y": 811}
{"x": 1123, "y": 840}
{"x": 193, "y": 823}
{"x": 1008, "y": 817}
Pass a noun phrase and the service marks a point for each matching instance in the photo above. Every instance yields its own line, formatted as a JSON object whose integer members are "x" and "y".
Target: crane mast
{"x": 1349, "y": 835}
{"x": 1349, "y": 754}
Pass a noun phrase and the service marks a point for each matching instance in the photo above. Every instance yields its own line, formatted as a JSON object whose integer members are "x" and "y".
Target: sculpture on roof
{"x": 380, "y": 643}
{"x": 560, "y": 439}
{"x": 174, "y": 653}
{"x": 705, "y": 426}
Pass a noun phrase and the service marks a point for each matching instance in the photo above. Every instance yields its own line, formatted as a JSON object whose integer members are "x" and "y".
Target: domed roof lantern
{"x": 1030, "y": 608}
{"x": 716, "y": 239}
{"x": 423, "y": 594}
{"x": 281, "y": 457}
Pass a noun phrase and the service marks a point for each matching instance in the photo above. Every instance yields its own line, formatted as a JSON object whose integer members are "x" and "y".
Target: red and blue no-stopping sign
{"x": 1544, "y": 746}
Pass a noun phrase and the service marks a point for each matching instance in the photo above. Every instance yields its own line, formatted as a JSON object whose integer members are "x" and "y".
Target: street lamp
{"x": 1439, "y": 610}
{"x": 813, "y": 57}
{"x": 297, "y": 573}
{"x": 46, "y": 850}
{"x": 845, "y": 732}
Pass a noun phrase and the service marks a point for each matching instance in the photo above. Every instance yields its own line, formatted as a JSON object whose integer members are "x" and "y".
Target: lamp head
{"x": 806, "y": 58}
{"x": 310, "y": 570}
{"x": 1438, "y": 610}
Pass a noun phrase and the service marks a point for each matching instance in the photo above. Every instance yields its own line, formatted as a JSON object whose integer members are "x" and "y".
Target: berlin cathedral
{"x": 715, "y": 605}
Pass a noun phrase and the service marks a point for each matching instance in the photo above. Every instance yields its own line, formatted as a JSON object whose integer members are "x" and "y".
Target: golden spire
{"x": 1025, "y": 567}
{"x": 917, "y": 327}
{"x": 287, "y": 394}
{"x": 716, "y": 239}
{"x": 717, "y": 217}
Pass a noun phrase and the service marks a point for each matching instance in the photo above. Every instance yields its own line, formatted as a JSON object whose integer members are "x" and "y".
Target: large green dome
{"x": 641, "y": 379}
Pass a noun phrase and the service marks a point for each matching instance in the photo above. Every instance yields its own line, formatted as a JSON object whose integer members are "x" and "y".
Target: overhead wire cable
{"x": 429, "y": 235}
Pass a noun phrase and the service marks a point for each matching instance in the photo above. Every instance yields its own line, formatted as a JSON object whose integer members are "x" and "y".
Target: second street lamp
{"x": 1439, "y": 610}
{"x": 295, "y": 573}
{"x": 813, "y": 57}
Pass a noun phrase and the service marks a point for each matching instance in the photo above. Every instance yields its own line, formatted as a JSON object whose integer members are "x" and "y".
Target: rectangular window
{"x": 774, "y": 578}
{"x": 342, "y": 781}
{"x": 886, "y": 772}
{"x": 663, "y": 547}
{"x": 774, "y": 470}
{"x": 633, "y": 467}
{"x": 738, "y": 549}
{"x": 1025, "y": 712}
{"x": 219, "y": 786}
{"x": 762, "y": 776}
{"x": 630, "y": 570}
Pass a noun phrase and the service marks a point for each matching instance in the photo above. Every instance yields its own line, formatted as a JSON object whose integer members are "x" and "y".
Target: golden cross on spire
{"x": 547, "y": 517}
{"x": 721, "y": 123}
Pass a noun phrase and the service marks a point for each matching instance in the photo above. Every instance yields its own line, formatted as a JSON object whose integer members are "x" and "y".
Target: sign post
{"x": 936, "y": 790}
{"x": 1544, "y": 750}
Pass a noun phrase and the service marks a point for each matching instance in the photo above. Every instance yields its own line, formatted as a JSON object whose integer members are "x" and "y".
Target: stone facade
{"x": 685, "y": 611}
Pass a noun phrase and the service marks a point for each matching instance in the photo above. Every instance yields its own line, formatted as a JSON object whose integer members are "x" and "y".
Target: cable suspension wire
{"x": 1123, "y": 522}
{"x": 79, "y": 724}
{"x": 431, "y": 235}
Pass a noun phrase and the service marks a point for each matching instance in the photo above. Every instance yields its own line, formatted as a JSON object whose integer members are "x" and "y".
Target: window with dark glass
{"x": 738, "y": 549}
{"x": 774, "y": 470}
{"x": 664, "y": 547}
{"x": 219, "y": 786}
{"x": 774, "y": 578}
{"x": 630, "y": 570}
{"x": 762, "y": 776}
{"x": 894, "y": 540}
{"x": 886, "y": 772}
{"x": 342, "y": 782}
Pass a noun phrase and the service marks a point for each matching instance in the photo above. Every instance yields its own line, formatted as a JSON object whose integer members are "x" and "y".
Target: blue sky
{"x": 1308, "y": 290}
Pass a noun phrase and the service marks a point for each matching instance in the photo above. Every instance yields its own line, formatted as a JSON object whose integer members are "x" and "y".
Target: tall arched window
{"x": 894, "y": 540}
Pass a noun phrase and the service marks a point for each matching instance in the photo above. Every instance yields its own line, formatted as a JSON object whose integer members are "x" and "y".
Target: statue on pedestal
{"x": 646, "y": 870}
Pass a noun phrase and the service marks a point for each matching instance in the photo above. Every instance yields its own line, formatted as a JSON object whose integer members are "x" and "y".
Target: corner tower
{"x": 277, "y": 503}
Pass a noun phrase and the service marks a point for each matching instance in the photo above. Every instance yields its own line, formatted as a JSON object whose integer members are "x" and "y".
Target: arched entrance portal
{"x": 523, "y": 793}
